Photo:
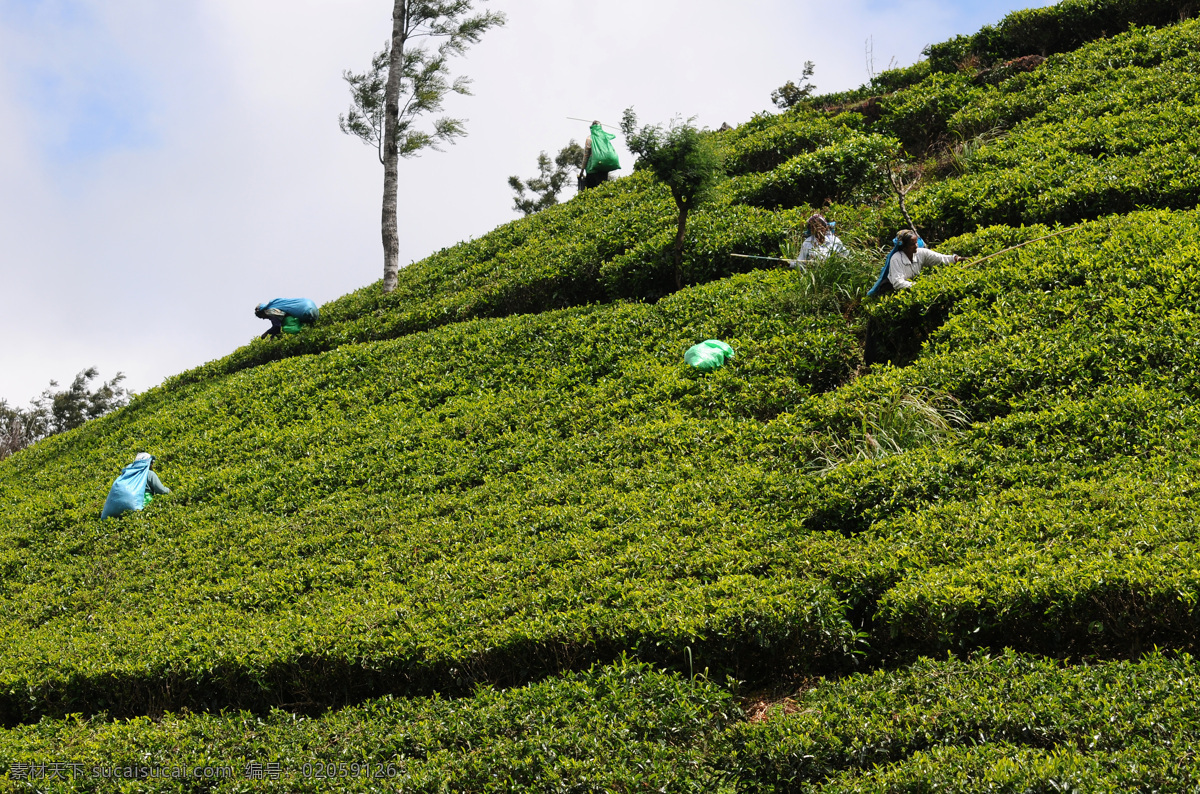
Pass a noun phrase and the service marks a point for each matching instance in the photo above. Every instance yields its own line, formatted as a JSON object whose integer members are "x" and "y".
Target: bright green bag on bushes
{"x": 604, "y": 156}
{"x": 708, "y": 355}
{"x": 292, "y": 325}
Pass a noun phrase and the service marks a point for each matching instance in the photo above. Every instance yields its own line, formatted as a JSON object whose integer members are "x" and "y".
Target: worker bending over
{"x": 287, "y": 315}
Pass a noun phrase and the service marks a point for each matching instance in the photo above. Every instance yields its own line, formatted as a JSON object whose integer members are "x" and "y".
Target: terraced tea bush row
{"x": 1057, "y": 28}
{"x": 1106, "y": 129}
{"x": 769, "y": 141}
{"x": 1010, "y": 722}
{"x": 1128, "y": 73}
{"x": 849, "y": 170}
{"x": 610, "y": 729}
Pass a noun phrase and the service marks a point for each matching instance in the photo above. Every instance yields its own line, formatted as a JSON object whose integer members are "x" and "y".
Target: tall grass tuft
{"x": 836, "y": 283}
{"x": 905, "y": 419}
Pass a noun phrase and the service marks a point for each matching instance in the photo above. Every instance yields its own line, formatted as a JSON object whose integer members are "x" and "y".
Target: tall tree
{"x": 551, "y": 179}
{"x": 684, "y": 159}
{"x": 407, "y": 80}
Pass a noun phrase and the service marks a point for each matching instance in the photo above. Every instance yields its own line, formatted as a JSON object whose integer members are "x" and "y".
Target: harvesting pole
{"x": 589, "y": 121}
{"x": 771, "y": 258}
{"x": 1022, "y": 245}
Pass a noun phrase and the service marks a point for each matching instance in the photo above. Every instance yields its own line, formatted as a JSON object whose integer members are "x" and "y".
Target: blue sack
{"x": 882, "y": 285}
{"x": 301, "y": 308}
{"x": 128, "y": 492}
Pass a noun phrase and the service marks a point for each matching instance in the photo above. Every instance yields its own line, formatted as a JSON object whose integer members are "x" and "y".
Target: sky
{"x": 164, "y": 167}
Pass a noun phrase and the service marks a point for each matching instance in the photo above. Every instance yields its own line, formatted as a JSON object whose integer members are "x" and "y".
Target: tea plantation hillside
{"x": 489, "y": 533}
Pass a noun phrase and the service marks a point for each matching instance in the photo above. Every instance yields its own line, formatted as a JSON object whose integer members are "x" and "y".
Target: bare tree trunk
{"x": 680, "y": 230}
{"x": 901, "y": 187}
{"x": 391, "y": 152}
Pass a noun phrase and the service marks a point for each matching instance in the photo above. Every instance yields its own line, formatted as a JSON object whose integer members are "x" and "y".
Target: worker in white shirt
{"x": 907, "y": 261}
{"x": 820, "y": 242}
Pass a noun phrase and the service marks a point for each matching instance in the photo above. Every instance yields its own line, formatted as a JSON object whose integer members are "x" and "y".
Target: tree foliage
{"x": 426, "y": 85}
{"x": 58, "y": 411}
{"x": 789, "y": 94}
{"x": 551, "y": 178}
{"x": 684, "y": 159}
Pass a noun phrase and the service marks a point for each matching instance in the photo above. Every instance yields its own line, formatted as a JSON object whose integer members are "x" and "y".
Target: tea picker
{"x": 134, "y": 488}
{"x": 599, "y": 157}
{"x": 819, "y": 242}
{"x": 886, "y": 282}
{"x": 904, "y": 262}
{"x": 287, "y": 315}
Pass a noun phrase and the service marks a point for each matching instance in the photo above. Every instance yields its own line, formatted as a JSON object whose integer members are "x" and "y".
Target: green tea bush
{"x": 848, "y": 170}
{"x": 608, "y": 729}
{"x": 920, "y": 115}
{"x": 1008, "y": 723}
{"x": 773, "y": 141}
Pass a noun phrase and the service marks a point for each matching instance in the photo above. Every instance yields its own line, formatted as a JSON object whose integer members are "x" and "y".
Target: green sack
{"x": 292, "y": 325}
{"x": 708, "y": 355}
{"x": 604, "y": 156}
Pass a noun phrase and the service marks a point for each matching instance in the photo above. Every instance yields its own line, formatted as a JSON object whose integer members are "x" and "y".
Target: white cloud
{"x": 147, "y": 254}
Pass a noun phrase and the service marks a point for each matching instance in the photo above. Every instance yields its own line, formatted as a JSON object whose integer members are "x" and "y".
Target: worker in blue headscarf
{"x": 906, "y": 262}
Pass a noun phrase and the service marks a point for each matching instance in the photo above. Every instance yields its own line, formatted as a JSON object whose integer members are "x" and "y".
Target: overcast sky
{"x": 165, "y": 166}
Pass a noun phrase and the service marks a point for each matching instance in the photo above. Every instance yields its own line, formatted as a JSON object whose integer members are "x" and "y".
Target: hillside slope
{"x": 489, "y": 533}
